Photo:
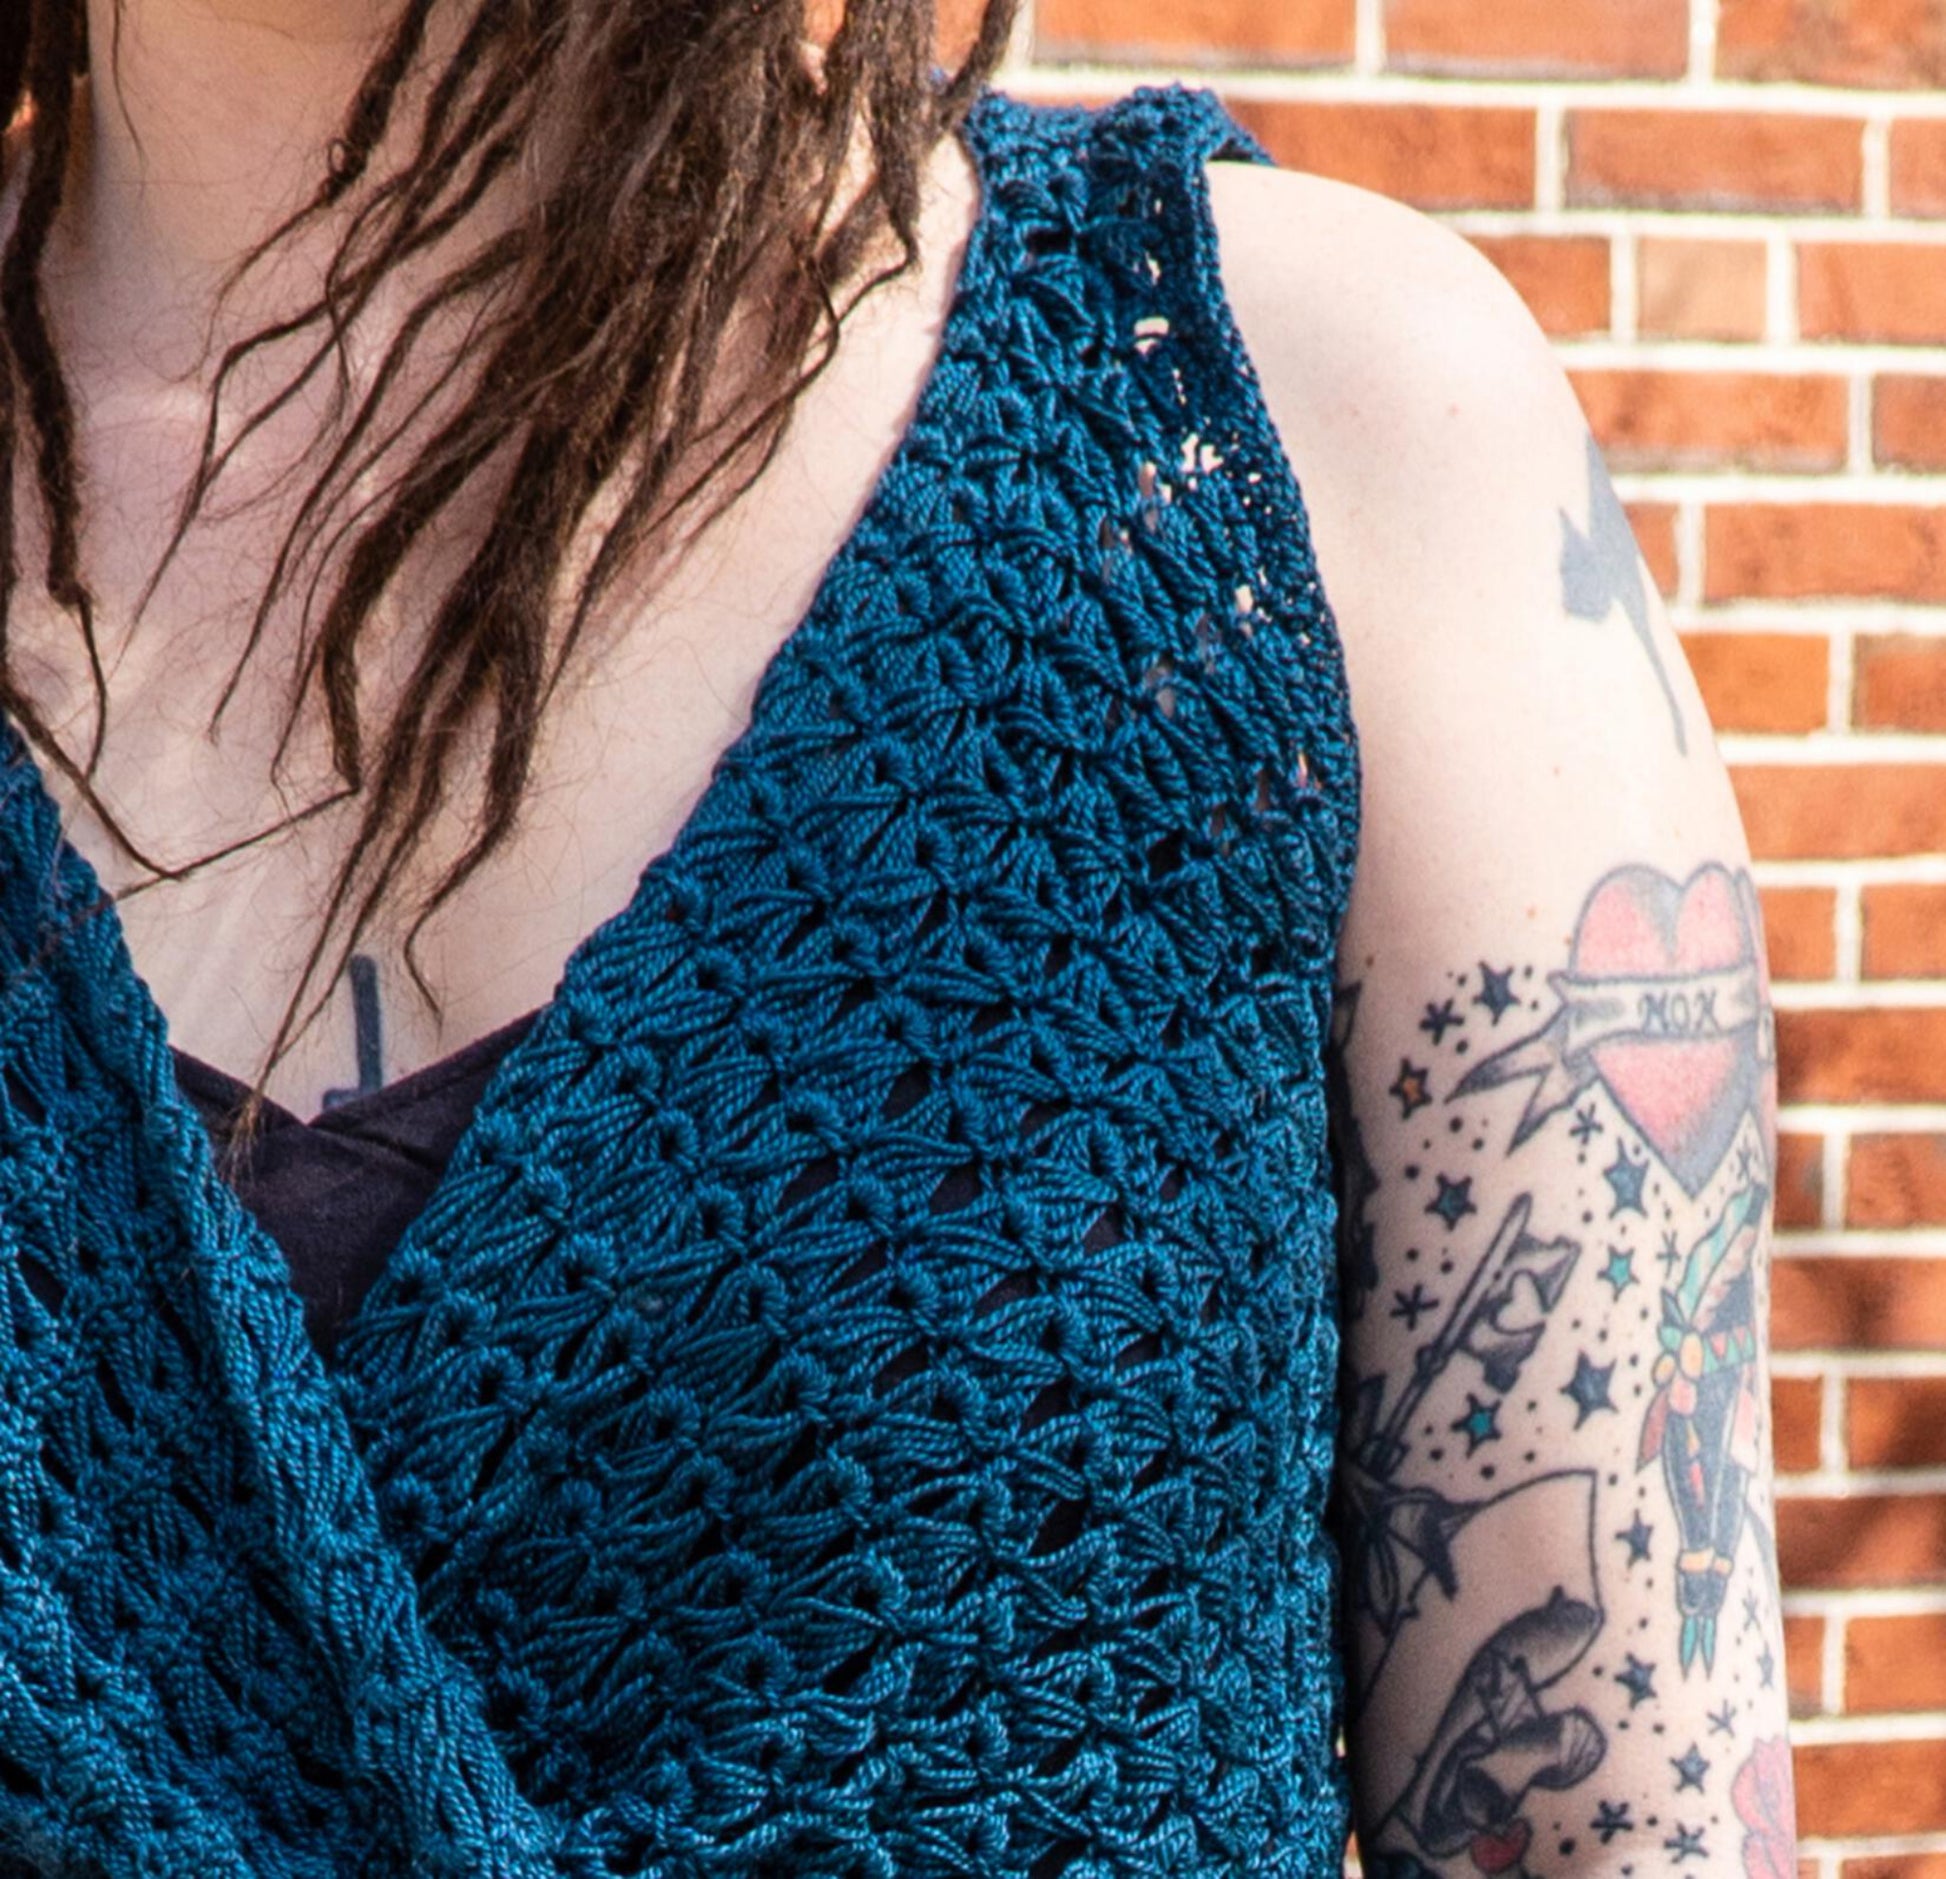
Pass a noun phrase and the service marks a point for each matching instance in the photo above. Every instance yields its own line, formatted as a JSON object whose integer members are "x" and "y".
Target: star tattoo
{"x": 1411, "y": 1306}
{"x": 1454, "y": 1201}
{"x": 1611, "y": 1818}
{"x": 1767, "y": 1668}
{"x": 1670, "y": 1257}
{"x": 1753, "y": 1614}
{"x": 1440, "y": 1019}
{"x": 1479, "y": 1425}
{"x": 1496, "y": 991}
{"x": 1685, "y": 1843}
{"x": 1410, "y": 1088}
{"x": 1635, "y": 1537}
{"x": 1638, "y": 1680}
{"x": 1724, "y": 1721}
{"x": 1586, "y": 1125}
{"x": 1690, "y": 1769}
{"x": 1625, "y": 1179}
{"x": 1620, "y": 1270}
{"x": 1588, "y": 1388}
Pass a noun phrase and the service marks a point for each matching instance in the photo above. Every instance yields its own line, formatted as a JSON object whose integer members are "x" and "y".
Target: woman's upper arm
{"x": 1556, "y": 1107}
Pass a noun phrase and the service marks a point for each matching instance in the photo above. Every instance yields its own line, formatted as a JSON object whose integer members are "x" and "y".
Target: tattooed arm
{"x": 1555, "y": 1098}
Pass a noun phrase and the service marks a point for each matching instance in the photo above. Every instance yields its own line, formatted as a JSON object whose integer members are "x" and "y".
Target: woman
{"x": 865, "y": 908}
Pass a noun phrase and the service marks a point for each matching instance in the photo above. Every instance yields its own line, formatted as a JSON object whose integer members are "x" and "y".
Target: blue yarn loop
{"x": 861, "y": 1400}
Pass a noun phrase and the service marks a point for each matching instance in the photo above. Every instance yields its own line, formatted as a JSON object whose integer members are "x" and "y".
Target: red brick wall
{"x": 1732, "y": 216}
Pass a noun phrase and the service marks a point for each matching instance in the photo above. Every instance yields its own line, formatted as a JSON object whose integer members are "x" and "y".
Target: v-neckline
{"x": 825, "y": 615}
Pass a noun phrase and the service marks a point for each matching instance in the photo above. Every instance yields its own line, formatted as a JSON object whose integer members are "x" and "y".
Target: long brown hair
{"x": 698, "y": 153}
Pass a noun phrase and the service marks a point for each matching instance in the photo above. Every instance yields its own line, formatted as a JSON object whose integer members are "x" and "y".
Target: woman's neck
{"x": 205, "y": 123}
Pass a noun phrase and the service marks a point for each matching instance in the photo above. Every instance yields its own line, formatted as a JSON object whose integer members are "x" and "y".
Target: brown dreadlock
{"x": 700, "y": 155}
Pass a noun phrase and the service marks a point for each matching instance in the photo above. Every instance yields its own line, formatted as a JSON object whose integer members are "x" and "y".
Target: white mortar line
{"x": 1872, "y": 995}
{"x": 1835, "y": 1167}
{"x": 1878, "y": 167}
{"x": 1355, "y": 83}
{"x": 1817, "y": 615}
{"x": 1846, "y": 1484}
{"x": 1866, "y": 1602}
{"x": 1551, "y": 158}
{"x": 1914, "y": 1726}
{"x": 1925, "y": 1243}
{"x": 1831, "y": 1427}
{"x": 1870, "y": 1367}
{"x": 1831, "y": 747}
{"x": 1894, "y": 871}
{"x": 1839, "y": 680}
{"x": 1833, "y": 1667}
{"x": 1858, "y": 423}
{"x": 1780, "y": 290}
{"x": 1368, "y": 59}
{"x": 1624, "y": 289}
{"x": 1750, "y": 486}
{"x": 1596, "y": 218}
{"x": 1788, "y": 357}
{"x": 1848, "y": 935}
{"x": 1690, "y": 556}
{"x": 1702, "y": 42}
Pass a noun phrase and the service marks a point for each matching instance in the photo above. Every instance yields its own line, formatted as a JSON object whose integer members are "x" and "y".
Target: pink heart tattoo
{"x": 1663, "y": 1004}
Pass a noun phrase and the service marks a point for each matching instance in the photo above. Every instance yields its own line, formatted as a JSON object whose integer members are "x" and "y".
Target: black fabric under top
{"x": 336, "y": 1193}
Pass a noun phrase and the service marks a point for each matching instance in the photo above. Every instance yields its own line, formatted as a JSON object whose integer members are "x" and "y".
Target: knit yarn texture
{"x": 861, "y": 1400}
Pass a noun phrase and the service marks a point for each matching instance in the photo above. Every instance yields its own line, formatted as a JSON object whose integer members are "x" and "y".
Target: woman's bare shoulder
{"x": 1395, "y": 361}
{"x": 1503, "y": 641}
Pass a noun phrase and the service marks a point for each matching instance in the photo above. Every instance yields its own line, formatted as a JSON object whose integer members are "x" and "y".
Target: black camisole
{"x": 336, "y": 1193}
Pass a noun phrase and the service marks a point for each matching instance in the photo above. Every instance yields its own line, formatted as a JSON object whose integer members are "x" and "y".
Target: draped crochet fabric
{"x": 860, "y": 1400}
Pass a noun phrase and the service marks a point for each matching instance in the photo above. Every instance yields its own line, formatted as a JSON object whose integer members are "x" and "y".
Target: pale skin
{"x": 1529, "y": 813}
{"x": 1525, "y": 796}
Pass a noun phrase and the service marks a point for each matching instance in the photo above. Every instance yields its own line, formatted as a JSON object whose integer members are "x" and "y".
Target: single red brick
{"x": 1862, "y": 1540}
{"x": 1817, "y": 550}
{"x": 1564, "y": 279}
{"x": 1243, "y": 32}
{"x": 1800, "y": 925}
{"x": 1763, "y": 682}
{"x": 1653, "y": 420}
{"x": 1671, "y": 159}
{"x": 1900, "y": 683}
{"x": 1875, "y": 1056}
{"x": 1892, "y": 1866}
{"x": 1896, "y": 1181}
{"x": 1546, "y": 38}
{"x": 1841, "y": 812}
{"x": 1909, "y": 422}
{"x": 1896, "y": 1663}
{"x": 1861, "y": 1304}
{"x": 1890, "y": 291}
{"x": 1905, "y": 931}
{"x": 1804, "y": 1665}
{"x": 1919, "y": 166}
{"x": 1800, "y": 1180}
{"x": 1701, "y": 289}
{"x": 1896, "y": 1422}
{"x": 1868, "y": 43}
{"x": 1654, "y": 524}
{"x": 1437, "y": 156}
{"x": 1796, "y": 1417}
{"x": 1871, "y": 1787}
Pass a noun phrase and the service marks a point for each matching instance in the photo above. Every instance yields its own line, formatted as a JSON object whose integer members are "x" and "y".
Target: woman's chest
{"x": 627, "y": 751}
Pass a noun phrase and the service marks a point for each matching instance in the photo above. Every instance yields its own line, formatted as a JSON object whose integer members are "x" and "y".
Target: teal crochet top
{"x": 860, "y": 1401}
